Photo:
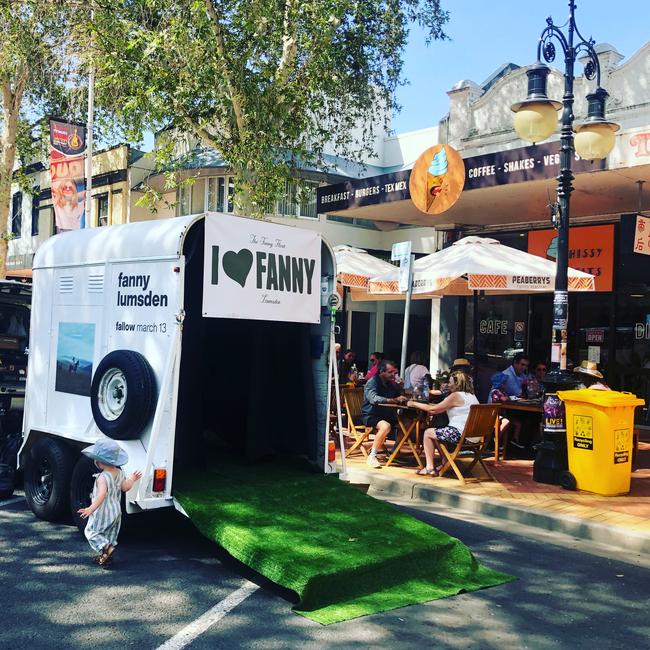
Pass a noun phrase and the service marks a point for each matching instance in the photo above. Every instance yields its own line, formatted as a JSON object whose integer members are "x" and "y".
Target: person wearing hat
{"x": 590, "y": 376}
{"x": 104, "y": 514}
{"x": 498, "y": 395}
{"x": 461, "y": 364}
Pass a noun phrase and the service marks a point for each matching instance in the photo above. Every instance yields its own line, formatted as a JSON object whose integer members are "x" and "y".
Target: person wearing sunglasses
{"x": 536, "y": 380}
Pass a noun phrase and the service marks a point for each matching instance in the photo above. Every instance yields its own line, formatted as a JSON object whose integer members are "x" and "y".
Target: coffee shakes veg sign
{"x": 260, "y": 271}
{"x": 517, "y": 165}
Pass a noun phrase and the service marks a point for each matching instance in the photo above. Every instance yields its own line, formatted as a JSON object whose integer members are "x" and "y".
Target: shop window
{"x": 16, "y": 214}
{"x": 35, "y": 211}
{"x": 102, "y": 209}
{"x": 220, "y": 193}
{"x": 299, "y": 200}
{"x": 184, "y": 205}
{"x": 359, "y": 223}
{"x": 502, "y": 332}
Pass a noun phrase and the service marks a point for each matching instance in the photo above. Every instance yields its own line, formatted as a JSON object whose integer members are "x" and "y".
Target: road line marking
{"x": 207, "y": 620}
{"x": 10, "y": 501}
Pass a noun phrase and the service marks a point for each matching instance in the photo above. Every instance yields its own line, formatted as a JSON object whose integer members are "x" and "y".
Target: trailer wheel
{"x": 47, "y": 479}
{"x": 123, "y": 394}
{"x": 81, "y": 487}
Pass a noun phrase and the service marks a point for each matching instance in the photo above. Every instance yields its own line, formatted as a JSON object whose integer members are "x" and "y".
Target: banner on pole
{"x": 67, "y": 154}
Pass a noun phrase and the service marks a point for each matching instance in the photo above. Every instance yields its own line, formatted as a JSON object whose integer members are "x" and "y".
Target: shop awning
{"x": 508, "y": 187}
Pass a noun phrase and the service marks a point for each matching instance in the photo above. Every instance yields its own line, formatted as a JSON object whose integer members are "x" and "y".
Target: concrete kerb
{"x": 395, "y": 488}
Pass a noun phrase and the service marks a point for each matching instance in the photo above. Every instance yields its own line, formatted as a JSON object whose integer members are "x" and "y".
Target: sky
{"x": 484, "y": 35}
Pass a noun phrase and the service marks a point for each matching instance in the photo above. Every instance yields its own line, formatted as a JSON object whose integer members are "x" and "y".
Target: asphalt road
{"x": 568, "y": 595}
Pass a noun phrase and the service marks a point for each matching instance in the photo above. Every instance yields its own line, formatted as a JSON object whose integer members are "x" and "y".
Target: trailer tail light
{"x": 331, "y": 452}
{"x": 159, "y": 480}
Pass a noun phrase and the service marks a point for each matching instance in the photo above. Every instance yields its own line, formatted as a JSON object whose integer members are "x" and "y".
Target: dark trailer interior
{"x": 255, "y": 388}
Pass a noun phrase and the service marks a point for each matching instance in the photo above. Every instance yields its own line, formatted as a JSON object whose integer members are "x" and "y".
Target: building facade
{"x": 508, "y": 188}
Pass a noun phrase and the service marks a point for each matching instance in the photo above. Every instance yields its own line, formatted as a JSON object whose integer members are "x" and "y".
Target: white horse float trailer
{"x": 165, "y": 335}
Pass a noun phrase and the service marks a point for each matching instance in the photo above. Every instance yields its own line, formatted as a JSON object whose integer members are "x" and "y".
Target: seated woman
{"x": 416, "y": 372}
{"x": 456, "y": 405}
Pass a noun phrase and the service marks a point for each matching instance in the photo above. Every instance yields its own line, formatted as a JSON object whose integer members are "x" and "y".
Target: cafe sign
{"x": 533, "y": 163}
{"x": 258, "y": 270}
{"x": 591, "y": 249}
{"x": 642, "y": 235}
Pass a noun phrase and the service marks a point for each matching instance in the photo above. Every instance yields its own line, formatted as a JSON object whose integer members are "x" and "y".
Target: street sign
{"x": 400, "y": 250}
{"x": 404, "y": 271}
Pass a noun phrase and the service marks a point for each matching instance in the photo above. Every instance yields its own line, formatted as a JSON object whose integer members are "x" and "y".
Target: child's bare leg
{"x": 516, "y": 433}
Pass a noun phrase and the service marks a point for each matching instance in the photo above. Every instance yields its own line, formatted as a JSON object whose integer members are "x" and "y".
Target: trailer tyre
{"x": 123, "y": 394}
{"x": 47, "y": 479}
{"x": 81, "y": 487}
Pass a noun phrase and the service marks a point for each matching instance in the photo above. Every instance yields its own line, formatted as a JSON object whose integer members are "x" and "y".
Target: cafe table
{"x": 525, "y": 405}
{"x": 408, "y": 419}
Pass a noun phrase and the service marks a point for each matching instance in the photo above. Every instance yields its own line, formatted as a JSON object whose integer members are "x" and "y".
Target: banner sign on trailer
{"x": 67, "y": 173}
{"x": 258, "y": 270}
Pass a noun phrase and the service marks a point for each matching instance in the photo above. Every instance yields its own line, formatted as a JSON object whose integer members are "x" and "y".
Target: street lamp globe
{"x": 595, "y": 136}
{"x": 536, "y": 117}
{"x": 595, "y": 141}
{"x": 535, "y": 121}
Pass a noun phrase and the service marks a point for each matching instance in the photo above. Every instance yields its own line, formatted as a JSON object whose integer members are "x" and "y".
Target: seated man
{"x": 380, "y": 389}
{"x": 516, "y": 374}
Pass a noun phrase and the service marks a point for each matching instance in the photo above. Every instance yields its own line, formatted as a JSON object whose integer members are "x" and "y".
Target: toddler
{"x": 104, "y": 514}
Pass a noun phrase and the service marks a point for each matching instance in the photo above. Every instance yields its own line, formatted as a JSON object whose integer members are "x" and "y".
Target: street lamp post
{"x": 535, "y": 120}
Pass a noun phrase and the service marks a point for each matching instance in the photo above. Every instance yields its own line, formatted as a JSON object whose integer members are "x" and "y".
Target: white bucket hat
{"x": 107, "y": 451}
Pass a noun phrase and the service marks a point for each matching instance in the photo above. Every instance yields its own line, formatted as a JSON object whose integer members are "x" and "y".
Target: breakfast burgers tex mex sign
{"x": 260, "y": 271}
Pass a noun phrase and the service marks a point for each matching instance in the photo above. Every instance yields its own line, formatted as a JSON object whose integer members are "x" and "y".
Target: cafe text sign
{"x": 591, "y": 249}
{"x": 523, "y": 164}
{"x": 260, "y": 271}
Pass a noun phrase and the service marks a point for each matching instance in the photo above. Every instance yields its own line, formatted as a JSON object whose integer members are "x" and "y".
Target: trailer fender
{"x": 123, "y": 394}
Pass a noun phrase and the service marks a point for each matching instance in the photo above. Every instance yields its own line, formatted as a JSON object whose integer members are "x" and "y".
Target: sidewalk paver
{"x": 622, "y": 520}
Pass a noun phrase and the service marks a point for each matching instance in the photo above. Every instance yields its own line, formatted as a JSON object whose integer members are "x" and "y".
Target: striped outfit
{"x": 104, "y": 524}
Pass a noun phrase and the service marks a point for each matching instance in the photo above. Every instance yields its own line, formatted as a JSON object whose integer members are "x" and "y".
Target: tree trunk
{"x": 11, "y": 102}
{"x": 7, "y": 160}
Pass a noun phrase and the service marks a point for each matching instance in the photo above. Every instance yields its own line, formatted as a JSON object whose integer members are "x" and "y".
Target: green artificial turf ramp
{"x": 345, "y": 554}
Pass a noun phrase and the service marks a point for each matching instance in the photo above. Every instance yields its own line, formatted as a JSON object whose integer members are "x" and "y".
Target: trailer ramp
{"x": 344, "y": 554}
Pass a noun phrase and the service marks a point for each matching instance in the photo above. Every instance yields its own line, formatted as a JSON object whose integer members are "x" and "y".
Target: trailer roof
{"x": 139, "y": 240}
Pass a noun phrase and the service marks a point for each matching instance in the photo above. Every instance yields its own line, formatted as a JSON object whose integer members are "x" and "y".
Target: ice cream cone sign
{"x": 437, "y": 179}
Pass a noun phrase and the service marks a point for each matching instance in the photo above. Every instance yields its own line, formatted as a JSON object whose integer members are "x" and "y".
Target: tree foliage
{"x": 266, "y": 83}
{"x": 36, "y": 78}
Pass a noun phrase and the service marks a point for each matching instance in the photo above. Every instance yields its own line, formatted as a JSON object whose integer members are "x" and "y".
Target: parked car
{"x": 15, "y": 306}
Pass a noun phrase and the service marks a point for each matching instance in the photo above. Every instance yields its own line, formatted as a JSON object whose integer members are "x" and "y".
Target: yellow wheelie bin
{"x": 599, "y": 427}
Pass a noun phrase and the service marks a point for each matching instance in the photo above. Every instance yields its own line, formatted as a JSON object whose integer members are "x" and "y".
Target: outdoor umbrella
{"x": 474, "y": 264}
{"x": 355, "y": 267}
{"x": 480, "y": 264}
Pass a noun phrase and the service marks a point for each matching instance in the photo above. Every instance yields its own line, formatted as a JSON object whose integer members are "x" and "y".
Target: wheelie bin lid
{"x": 610, "y": 398}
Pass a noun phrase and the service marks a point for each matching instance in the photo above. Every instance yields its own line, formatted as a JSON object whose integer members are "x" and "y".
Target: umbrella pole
{"x": 475, "y": 334}
{"x": 407, "y": 314}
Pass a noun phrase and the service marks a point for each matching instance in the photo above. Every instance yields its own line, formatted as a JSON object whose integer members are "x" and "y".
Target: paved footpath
{"x": 622, "y": 521}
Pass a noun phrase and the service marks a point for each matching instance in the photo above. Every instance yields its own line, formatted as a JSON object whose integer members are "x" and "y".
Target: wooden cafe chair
{"x": 478, "y": 430}
{"x": 359, "y": 432}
